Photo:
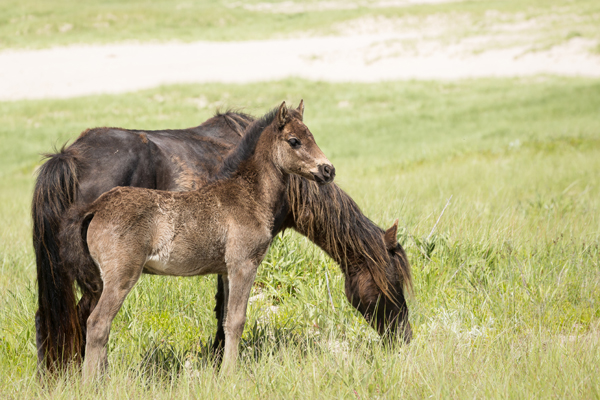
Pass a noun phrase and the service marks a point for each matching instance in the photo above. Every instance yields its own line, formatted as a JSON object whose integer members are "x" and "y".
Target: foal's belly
{"x": 195, "y": 248}
{"x": 173, "y": 266}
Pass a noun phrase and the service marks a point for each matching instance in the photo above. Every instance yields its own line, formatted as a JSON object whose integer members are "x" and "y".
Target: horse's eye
{"x": 295, "y": 143}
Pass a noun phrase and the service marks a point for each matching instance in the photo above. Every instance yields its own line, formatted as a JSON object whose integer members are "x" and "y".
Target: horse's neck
{"x": 329, "y": 218}
{"x": 341, "y": 252}
{"x": 317, "y": 230}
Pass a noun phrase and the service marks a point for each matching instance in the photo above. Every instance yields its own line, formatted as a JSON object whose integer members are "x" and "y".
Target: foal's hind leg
{"x": 118, "y": 281}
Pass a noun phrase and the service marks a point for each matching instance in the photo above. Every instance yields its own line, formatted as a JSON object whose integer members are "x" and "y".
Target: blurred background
{"x": 475, "y": 123}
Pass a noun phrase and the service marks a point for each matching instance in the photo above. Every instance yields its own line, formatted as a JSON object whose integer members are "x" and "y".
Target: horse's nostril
{"x": 327, "y": 169}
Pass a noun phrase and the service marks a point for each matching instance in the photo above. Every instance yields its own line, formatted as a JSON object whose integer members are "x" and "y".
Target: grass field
{"x": 507, "y": 304}
{"x": 506, "y": 280}
{"x": 36, "y": 24}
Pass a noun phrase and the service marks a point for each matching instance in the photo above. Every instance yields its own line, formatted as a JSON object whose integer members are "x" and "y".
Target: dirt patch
{"x": 292, "y": 7}
{"x": 367, "y": 50}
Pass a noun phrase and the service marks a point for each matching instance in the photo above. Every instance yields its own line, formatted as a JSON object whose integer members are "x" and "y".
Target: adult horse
{"x": 374, "y": 264}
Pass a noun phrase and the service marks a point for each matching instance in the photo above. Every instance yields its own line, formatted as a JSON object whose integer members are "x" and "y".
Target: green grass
{"x": 36, "y": 24}
{"x": 506, "y": 303}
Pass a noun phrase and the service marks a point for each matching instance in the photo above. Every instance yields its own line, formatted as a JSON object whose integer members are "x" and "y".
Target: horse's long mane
{"x": 345, "y": 233}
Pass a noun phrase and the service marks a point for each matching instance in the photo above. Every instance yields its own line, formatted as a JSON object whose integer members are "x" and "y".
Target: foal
{"x": 223, "y": 228}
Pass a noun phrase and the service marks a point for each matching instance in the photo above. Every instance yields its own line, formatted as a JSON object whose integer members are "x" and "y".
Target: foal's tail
{"x": 58, "y": 328}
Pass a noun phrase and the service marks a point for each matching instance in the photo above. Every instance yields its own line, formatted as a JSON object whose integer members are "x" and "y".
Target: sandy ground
{"x": 291, "y": 7}
{"x": 360, "y": 54}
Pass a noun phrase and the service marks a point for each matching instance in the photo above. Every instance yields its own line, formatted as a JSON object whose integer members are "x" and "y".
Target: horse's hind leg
{"x": 84, "y": 308}
{"x": 39, "y": 343}
{"x": 118, "y": 282}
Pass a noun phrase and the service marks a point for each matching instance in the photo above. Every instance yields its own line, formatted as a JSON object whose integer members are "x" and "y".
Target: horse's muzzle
{"x": 325, "y": 175}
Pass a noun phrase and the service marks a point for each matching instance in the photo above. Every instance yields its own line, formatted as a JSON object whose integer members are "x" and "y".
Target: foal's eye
{"x": 295, "y": 143}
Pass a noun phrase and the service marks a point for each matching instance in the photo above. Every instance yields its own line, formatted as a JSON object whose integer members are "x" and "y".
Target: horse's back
{"x": 175, "y": 159}
{"x": 111, "y": 157}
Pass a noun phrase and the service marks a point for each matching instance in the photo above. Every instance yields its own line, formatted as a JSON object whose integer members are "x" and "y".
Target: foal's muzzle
{"x": 325, "y": 175}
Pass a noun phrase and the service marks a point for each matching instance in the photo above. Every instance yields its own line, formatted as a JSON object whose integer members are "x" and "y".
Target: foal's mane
{"x": 343, "y": 231}
{"x": 246, "y": 147}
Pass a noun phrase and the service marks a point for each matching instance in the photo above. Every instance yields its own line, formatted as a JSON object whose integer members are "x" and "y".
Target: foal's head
{"x": 295, "y": 150}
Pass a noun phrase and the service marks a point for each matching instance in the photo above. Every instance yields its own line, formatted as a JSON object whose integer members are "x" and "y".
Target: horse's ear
{"x": 281, "y": 115}
{"x": 390, "y": 236}
{"x": 300, "y": 109}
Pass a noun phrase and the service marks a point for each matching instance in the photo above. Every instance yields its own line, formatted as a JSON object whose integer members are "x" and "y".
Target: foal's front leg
{"x": 239, "y": 280}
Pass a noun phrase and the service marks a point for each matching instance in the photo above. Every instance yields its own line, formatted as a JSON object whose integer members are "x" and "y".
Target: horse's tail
{"x": 58, "y": 330}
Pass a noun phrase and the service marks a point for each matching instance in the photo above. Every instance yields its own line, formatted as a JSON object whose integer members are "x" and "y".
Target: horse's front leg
{"x": 239, "y": 281}
{"x": 220, "y": 308}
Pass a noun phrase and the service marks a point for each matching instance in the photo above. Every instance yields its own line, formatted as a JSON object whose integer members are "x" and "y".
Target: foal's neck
{"x": 266, "y": 182}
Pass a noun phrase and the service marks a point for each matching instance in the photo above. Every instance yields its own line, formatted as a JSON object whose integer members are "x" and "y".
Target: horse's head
{"x": 295, "y": 149}
{"x": 377, "y": 289}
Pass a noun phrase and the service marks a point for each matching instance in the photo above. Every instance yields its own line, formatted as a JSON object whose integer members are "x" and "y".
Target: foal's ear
{"x": 300, "y": 109}
{"x": 390, "y": 236}
{"x": 281, "y": 115}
